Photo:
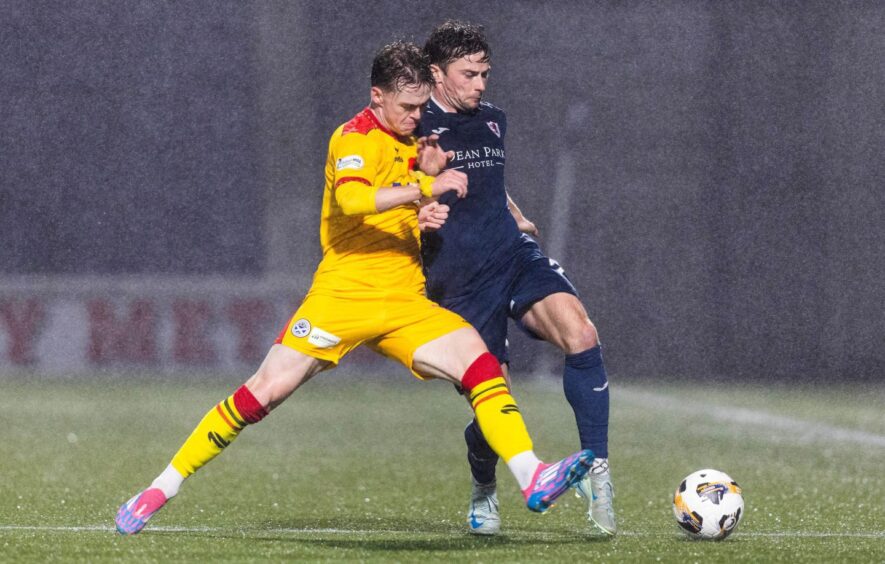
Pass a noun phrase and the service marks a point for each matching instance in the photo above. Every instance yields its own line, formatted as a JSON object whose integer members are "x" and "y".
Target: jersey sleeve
{"x": 356, "y": 157}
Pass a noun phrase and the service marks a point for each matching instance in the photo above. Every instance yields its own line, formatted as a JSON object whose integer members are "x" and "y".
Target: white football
{"x": 708, "y": 504}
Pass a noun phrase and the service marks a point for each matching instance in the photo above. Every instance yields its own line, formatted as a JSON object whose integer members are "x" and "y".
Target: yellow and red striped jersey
{"x": 364, "y": 250}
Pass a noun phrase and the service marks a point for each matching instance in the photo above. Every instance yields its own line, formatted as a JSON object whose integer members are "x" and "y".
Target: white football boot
{"x": 482, "y": 517}
{"x": 596, "y": 488}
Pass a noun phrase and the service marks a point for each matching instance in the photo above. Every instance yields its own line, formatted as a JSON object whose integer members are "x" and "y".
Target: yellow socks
{"x": 496, "y": 410}
{"x": 218, "y": 429}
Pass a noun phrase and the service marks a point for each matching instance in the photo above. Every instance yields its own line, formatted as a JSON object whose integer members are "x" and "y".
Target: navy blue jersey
{"x": 480, "y": 235}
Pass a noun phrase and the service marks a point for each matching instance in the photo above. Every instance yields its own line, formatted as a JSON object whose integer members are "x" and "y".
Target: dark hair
{"x": 400, "y": 64}
{"x": 452, "y": 40}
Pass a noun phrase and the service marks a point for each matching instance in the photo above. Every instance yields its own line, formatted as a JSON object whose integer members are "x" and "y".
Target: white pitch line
{"x": 353, "y": 532}
{"x": 803, "y": 430}
{"x": 168, "y": 529}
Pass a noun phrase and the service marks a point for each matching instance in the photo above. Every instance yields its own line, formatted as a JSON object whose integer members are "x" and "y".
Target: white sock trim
{"x": 169, "y": 481}
{"x": 523, "y": 466}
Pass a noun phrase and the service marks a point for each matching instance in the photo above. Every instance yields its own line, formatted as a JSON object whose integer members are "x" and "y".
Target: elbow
{"x": 349, "y": 208}
{"x": 358, "y": 200}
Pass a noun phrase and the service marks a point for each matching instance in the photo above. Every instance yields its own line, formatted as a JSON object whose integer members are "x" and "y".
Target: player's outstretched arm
{"x": 356, "y": 199}
{"x": 448, "y": 181}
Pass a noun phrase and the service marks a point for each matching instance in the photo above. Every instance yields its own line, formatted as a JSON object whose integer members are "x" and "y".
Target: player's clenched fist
{"x": 450, "y": 180}
{"x": 432, "y": 216}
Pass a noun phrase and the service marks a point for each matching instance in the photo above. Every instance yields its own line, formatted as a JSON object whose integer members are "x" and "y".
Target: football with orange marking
{"x": 708, "y": 504}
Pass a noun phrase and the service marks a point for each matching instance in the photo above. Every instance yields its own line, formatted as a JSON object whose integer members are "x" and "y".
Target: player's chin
{"x": 408, "y": 128}
{"x": 470, "y": 104}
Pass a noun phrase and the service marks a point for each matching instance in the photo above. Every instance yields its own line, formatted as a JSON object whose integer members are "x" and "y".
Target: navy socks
{"x": 480, "y": 455}
{"x": 586, "y": 389}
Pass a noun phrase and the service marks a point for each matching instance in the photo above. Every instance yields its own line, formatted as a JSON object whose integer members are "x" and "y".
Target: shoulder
{"x": 362, "y": 123}
{"x": 491, "y": 110}
{"x": 361, "y": 134}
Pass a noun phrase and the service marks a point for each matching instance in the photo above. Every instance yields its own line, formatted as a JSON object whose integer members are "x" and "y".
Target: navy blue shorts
{"x": 509, "y": 292}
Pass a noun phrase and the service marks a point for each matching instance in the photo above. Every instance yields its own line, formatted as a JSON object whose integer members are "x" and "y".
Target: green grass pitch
{"x": 351, "y": 469}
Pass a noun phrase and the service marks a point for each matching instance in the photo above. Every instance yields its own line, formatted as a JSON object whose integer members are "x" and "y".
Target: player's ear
{"x": 437, "y": 73}
{"x": 377, "y": 96}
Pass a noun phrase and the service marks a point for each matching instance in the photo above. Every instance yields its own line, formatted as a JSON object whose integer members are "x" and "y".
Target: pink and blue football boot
{"x": 134, "y": 514}
{"x": 552, "y": 480}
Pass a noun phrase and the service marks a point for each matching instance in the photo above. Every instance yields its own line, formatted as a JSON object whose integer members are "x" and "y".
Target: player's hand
{"x": 432, "y": 216}
{"x": 526, "y": 226}
{"x": 450, "y": 181}
{"x": 431, "y": 157}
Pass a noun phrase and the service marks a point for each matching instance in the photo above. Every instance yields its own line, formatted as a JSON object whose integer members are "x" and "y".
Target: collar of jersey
{"x": 368, "y": 111}
{"x": 433, "y": 106}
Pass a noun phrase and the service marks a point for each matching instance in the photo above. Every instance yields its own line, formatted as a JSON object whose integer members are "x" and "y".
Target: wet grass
{"x": 354, "y": 470}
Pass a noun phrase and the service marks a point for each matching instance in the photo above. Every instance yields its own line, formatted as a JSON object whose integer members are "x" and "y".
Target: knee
{"x": 485, "y": 367}
{"x": 580, "y": 337}
{"x": 474, "y": 355}
{"x": 278, "y": 377}
{"x": 261, "y": 384}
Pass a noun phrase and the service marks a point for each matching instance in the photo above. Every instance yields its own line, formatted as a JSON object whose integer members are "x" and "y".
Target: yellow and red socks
{"x": 217, "y": 430}
{"x": 497, "y": 414}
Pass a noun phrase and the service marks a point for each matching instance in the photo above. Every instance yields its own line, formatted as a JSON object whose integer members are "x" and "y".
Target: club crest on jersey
{"x": 301, "y": 328}
{"x": 351, "y": 161}
{"x": 493, "y": 125}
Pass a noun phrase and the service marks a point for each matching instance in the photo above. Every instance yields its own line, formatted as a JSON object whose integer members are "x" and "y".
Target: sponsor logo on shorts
{"x": 301, "y": 328}
{"x": 351, "y": 161}
{"x": 322, "y": 339}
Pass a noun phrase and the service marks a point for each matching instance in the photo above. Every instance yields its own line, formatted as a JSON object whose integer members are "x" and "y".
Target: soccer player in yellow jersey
{"x": 369, "y": 289}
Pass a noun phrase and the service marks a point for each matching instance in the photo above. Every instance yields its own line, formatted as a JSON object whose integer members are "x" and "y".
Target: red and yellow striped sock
{"x": 496, "y": 410}
{"x": 217, "y": 430}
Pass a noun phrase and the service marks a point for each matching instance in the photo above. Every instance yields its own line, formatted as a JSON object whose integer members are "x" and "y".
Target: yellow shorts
{"x": 395, "y": 324}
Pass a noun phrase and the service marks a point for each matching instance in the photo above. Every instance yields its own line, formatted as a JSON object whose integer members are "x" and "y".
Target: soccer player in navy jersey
{"x": 482, "y": 265}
